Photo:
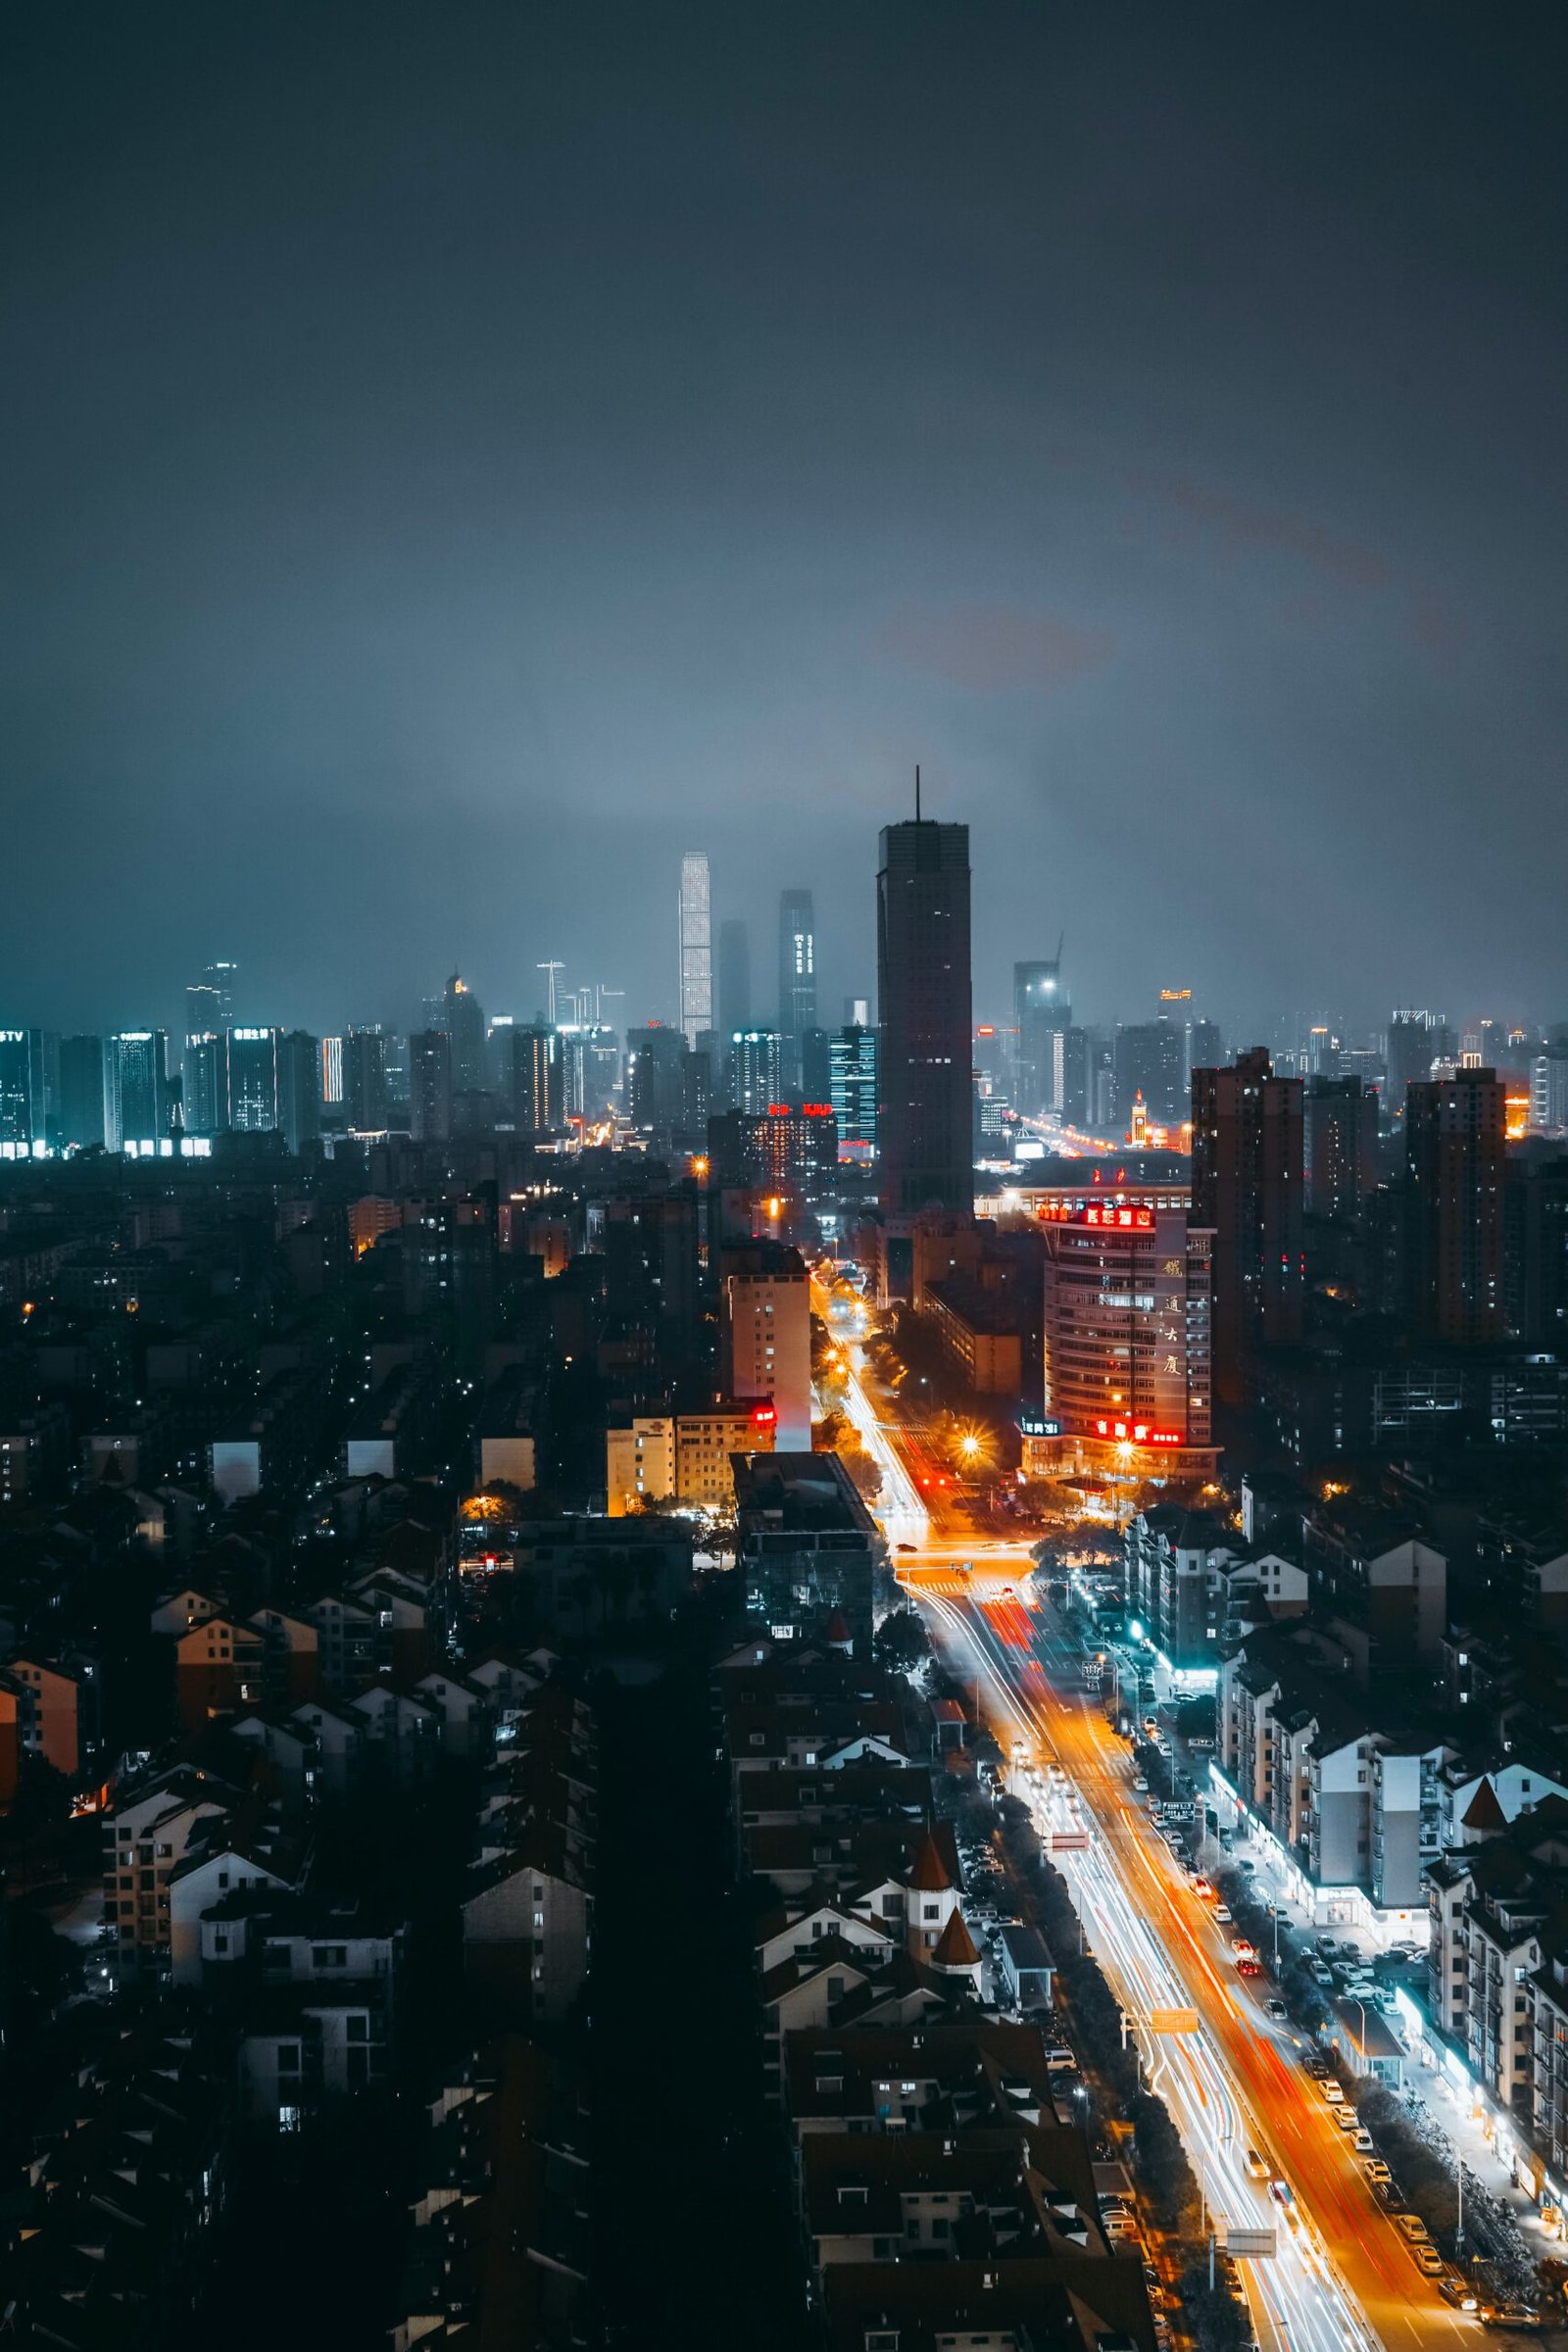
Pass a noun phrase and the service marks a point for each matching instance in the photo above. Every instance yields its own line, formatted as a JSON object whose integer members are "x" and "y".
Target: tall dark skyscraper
{"x": 1247, "y": 1183}
{"x": 1150, "y": 1059}
{"x": 299, "y": 1087}
{"x": 365, "y": 1087}
{"x": 1341, "y": 1145}
{"x": 927, "y": 1017}
{"x": 734, "y": 977}
{"x": 465, "y": 1025}
{"x": 1415, "y": 1040}
{"x": 1455, "y": 1160}
{"x": 135, "y": 1087}
{"x": 210, "y": 1000}
{"x": 430, "y": 1086}
{"x": 81, "y": 1091}
{"x": 16, "y": 1115}
{"x": 1042, "y": 1013}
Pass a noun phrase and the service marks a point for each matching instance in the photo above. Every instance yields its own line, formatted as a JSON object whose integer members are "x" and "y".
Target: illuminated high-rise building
{"x": 252, "y": 1081}
{"x": 210, "y": 1000}
{"x": 533, "y": 1089}
{"x": 135, "y": 1087}
{"x": 1341, "y": 1127}
{"x": 204, "y": 1096}
{"x": 16, "y": 1107}
{"x": 797, "y": 976}
{"x": 695, "y": 946}
{"x": 1127, "y": 1337}
{"x": 332, "y": 1070}
{"x": 1415, "y": 1042}
{"x": 925, "y": 1013}
{"x": 852, "y": 1088}
{"x": 756, "y": 1070}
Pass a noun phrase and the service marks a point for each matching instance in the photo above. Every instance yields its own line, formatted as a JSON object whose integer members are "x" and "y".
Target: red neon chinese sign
{"x": 1138, "y": 1433}
{"x": 1105, "y": 1215}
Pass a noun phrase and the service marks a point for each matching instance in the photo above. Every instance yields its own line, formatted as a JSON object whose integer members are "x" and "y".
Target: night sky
{"x": 456, "y": 457}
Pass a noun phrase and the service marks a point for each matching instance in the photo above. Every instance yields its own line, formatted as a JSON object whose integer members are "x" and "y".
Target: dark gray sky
{"x": 456, "y": 459}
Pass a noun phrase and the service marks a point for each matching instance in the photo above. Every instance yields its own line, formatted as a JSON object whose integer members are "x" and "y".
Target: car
{"x": 1316, "y": 2064}
{"x": 1222, "y": 1914}
{"x": 1140, "y": 1783}
{"x": 1256, "y": 2169}
{"x": 1412, "y": 2227}
{"x": 1458, "y": 2290}
{"x": 1249, "y": 1968}
{"x": 1510, "y": 2315}
{"x": 1334, "y": 2092}
{"x": 1244, "y": 1864}
{"x": 1277, "y": 2009}
{"x": 1321, "y": 1975}
{"x": 1363, "y": 2142}
{"x": 1058, "y": 2058}
{"x": 1202, "y": 1886}
{"x": 1245, "y": 1948}
{"x": 1428, "y": 2259}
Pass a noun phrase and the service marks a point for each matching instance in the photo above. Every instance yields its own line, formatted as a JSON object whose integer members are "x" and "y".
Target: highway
{"x": 1343, "y": 2275}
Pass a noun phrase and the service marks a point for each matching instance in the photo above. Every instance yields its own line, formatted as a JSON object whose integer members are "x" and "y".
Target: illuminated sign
{"x": 1138, "y": 1433}
{"x": 1106, "y": 1216}
{"x": 806, "y": 1110}
{"x": 1030, "y": 1425}
{"x": 764, "y": 1416}
{"x": 1175, "y": 996}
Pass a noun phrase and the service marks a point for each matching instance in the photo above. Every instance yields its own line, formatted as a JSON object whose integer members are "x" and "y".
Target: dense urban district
{"x": 897, "y": 1686}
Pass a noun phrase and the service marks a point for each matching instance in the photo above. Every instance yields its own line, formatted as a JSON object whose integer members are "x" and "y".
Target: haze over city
{"x": 783, "y": 1179}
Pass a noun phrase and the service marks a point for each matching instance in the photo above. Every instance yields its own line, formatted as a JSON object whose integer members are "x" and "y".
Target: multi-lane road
{"x": 1341, "y": 2273}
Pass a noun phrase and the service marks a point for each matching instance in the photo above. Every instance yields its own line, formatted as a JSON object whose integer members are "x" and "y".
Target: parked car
{"x": 1334, "y": 2092}
{"x": 1377, "y": 2172}
{"x": 1140, "y": 1783}
{"x": 1222, "y": 1914}
{"x": 1363, "y": 2142}
{"x": 1428, "y": 2259}
{"x": 1413, "y": 2227}
{"x": 1278, "y": 2010}
{"x": 1345, "y": 2117}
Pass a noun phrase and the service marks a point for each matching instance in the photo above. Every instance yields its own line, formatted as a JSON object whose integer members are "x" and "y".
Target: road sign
{"x": 1244, "y": 2245}
{"x": 1173, "y": 2020}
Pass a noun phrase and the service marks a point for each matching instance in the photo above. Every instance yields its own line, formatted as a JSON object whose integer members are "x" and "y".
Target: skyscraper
{"x": 465, "y": 1024}
{"x": 852, "y": 1087}
{"x": 299, "y": 1088}
{"x": 332, "y": 1070}
{"x": 1341, "y": 1145}
{"x": 1247, "y": 1183}
{"x": 1455, "y": 1159}
{"x": 43, "y": 1085}
{"x": 1042, "y": 1011}
{"x": 1150, "y": 1059}
{"x": 756, "y": 1070}
{"x": 925, "y": 1013}
{"x": 797, "y": 976}
{"x": 430, "y": 1086}
{"x": 204, "y": 1100}
{"x": 135, "y": 1087}
{"x": 734, "y": 977}
{"x": 1415, "y": 1040}
{"x": 15, "y": 1119}
{"x": 365, "y": 1087}
{"x": 81, "y": 1091}
{"x": 1127, "y": 1333}
{"x": 210, "y": 1000}
{"x": 695, "y": 946}
{"x": 252, "y": 1081}
{"x": 533, "y": 1082}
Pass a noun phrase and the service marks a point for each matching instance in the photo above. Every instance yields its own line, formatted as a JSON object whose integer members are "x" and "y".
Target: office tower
{"x": 852, "y": 1088}
{"x": 1455, "y": 1156}
{"x": 1127, "y": 1332}
{"x": 464, "y": 1022}
{"x": 1341, "y": 1135}
{"x": 1548, "y": 1093}
{"x": 204, "y": 1096}
{"x": 135, "y": 1087}
{"x": 734, "y": 977}
{"x": 81, "y": 1092}
{"x": 925, "y": 1116}
{"x": 1150, "y": 1059}
{"x": 756, "y": 1070}
{"x": 1073, "y": 1046}
{"x": 16, "y": 1114}
{"x": 253, "y": 1081}
{"x": 365, "y": 1086}
{"x": 817, "y": 1068}
{"x": 332, "y": 1070}
{"x": 1248, "y": 1181}
{"x": 532, "y": 1090}
{"x": 781, "y": 1151}
{"x": 1041, "y": 1012}
{"x": 299, "y": 1088}
{"x": 43, "y": 1085}
{"x": 210, "y": 1000}
{"x": 1534, "y": 1200}
{"x": 590, "y": 1059}
{"x": 656, "y": 1079}
{"x": 1415, "y": 1040}
{"x": 1206, "y": 1051}
{"x": 695, "y": 946}
{"x": 430, "y": 1086}
{"x": 766, "y": 1339}
{"x": 797, "y": 976}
